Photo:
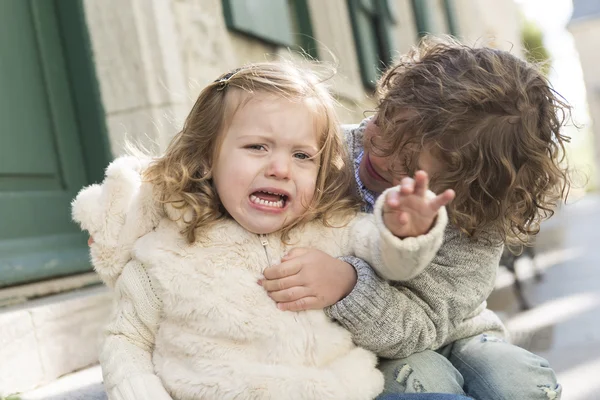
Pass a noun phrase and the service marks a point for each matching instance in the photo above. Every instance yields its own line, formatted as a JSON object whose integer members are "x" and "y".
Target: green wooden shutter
{"x": 422, "y": 16}
{"x": 41, "y": 159}
{"x": 450, "y": 8}
{"x": 303, "y": 31}
{"x": 372, "y": 24}
{"x": 268, "y": 20}
{"x": 387, "y": 17}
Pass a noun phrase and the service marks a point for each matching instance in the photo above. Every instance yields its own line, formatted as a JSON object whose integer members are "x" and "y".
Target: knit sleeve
{"x": 353, "y": 136}
{"x": 394, "y": 258}
{"x": 395, "y": 320}
{"x": 126, "y": 354}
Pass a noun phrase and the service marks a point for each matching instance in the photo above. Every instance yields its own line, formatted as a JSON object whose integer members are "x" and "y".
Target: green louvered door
{"x": 41, "y": 159}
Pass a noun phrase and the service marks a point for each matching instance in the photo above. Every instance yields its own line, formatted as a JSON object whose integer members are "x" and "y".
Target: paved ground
{"x": 563, "y": 325}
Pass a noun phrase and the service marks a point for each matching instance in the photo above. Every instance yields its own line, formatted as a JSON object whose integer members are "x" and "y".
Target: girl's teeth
{"x": 256, "y": 200}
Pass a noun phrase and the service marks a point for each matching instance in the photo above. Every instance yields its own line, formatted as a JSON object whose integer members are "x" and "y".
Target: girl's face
{"x": 266, "y": 169}
{"x": 376, "y": 172}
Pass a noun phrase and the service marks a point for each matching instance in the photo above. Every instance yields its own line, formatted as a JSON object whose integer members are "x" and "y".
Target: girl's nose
{"x": 279, "y": 167}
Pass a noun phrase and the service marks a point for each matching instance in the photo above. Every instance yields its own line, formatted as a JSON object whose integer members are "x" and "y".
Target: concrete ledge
{"x": 20, "y": 294}
{"x": 43, "y": 339}
{"x": 81, "y": 385}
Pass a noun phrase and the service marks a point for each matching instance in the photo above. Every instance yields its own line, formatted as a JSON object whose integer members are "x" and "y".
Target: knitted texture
{"x": 444, "y": 303}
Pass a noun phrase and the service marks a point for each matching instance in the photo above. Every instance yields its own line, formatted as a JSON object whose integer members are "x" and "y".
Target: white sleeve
{"x": 126, "y": 355}
{"x": 394, "y": 258}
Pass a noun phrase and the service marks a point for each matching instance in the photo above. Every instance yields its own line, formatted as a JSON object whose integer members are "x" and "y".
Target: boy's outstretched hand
{"x": 410, "y": 212}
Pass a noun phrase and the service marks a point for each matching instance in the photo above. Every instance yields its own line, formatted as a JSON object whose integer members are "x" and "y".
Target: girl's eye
{"x": 302, "y": 156}
{"x": 256, "y": 147}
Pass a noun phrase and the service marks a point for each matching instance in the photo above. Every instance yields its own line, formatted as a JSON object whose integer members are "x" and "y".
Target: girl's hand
{"x": 90, "y": 241}
{"x": 308, "y": 279}
{"x": 409, "y": 212}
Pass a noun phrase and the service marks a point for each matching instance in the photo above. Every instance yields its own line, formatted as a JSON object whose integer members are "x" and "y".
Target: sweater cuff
{"x": 403, "y": 259}
{"x": 365, "y": 303}
{"x": 143, "y": 386}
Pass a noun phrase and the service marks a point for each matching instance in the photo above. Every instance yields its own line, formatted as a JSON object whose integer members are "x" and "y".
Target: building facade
{"x": 585, "y": 28}
{"x": 81, "y": 77}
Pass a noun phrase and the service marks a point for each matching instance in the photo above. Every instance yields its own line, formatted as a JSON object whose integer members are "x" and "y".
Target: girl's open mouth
{"x": 269, "y": 199}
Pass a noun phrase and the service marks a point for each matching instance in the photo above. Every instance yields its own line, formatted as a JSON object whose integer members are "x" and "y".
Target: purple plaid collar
{"x": 367, "y": 195}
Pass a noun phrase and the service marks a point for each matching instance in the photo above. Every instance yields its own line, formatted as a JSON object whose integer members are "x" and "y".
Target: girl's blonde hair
{"x": 183, "y": 175}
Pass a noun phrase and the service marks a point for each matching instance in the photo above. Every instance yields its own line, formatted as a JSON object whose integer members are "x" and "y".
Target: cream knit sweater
{"x": 191, "y": 321}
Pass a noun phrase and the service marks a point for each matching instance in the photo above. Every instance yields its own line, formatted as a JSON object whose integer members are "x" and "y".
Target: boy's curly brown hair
{"x": 494, "y": 122}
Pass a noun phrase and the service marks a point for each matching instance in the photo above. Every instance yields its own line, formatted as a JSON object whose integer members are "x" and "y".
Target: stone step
{"x": 82, "y": 385}
{"x": 50, "y": 337}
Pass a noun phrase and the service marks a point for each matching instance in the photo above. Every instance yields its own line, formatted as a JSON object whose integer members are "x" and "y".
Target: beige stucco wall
{"x": 494, "y": 23}
{"x": 586, "y": 34}
{"x": 139, "y": 68}
{"x": 154, "y": 56}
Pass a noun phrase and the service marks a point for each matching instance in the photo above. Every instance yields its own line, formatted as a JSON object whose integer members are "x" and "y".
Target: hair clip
{"x": 225, "y": 79}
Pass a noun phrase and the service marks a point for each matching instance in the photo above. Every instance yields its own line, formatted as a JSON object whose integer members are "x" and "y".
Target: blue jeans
{"x": 422, "y": 396}
{"x": 483, "y": 367}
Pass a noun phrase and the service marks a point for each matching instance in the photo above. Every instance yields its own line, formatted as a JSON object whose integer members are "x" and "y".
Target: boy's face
{"x": 374, "y": 170}
{"x": 376, "y": 173}
{"x": 266, "y": 169}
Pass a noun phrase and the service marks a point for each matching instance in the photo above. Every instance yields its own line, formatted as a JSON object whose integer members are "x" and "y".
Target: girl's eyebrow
{"x": 307, "y": 147}
{"x": 256, "y": 137}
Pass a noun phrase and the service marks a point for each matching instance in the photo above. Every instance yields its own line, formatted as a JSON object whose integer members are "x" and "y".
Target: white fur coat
{"x": 192, "y": 323}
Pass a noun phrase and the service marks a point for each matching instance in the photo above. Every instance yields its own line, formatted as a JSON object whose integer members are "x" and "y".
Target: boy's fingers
{"x": 392, "y": 200}
{"x": 407, "y": 181}
{"x": 442, "y": 199}
{"x": 285, "y": 269}
{"x": 306, "y": 303}
{"x": 274, "y": 285}
{"x": 291, "y": 294}
{"x": 407, "y": 186}
{"x": 295, "y": 252}
{"x": 403, "y": 218}
{"x": 421, "y": 183}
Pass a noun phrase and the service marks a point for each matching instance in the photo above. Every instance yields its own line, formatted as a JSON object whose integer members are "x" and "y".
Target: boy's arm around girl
{"x": 447, "y": 299}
